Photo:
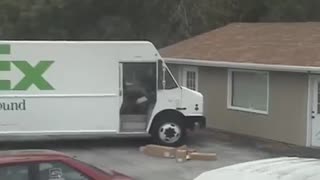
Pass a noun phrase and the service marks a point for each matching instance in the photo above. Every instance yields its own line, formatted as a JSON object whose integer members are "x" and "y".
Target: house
{"x": 258, "y": 79}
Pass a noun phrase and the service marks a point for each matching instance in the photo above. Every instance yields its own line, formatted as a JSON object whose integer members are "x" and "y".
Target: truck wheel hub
{"x": 169, "y": 132}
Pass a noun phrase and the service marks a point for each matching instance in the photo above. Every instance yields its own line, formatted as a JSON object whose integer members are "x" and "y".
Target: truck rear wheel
{"x": 169, "y": 132}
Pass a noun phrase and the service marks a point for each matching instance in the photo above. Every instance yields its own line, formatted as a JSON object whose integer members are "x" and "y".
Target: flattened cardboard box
{"x": 159, "y": 151}
{"x": 202, "y": 156}
{"x": 181, "y": 155}
{"x": 185, "y": 147}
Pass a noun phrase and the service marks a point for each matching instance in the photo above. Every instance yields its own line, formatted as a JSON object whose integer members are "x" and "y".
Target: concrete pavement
{"x": 122, "y": 154}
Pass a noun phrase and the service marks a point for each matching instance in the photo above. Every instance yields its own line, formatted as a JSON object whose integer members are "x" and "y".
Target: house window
{"x": 248, "y": 90}
{"x": 190, "y": 77}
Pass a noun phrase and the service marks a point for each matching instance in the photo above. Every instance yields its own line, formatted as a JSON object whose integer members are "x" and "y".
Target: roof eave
{"x": 254, "y": 66}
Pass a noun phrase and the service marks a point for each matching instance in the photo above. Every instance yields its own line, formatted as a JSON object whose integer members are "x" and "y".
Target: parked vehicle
{"x": 285, "y": 168}
{"x": 93, "y": 88}
{"x": 50, "y": 165}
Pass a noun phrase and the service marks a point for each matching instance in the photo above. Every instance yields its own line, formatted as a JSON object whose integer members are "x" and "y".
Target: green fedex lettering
{"x": 5, "y": 84}
{"x": 33, "y": 75}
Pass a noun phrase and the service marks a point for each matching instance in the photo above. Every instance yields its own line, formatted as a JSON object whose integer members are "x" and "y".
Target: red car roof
{"x": 14, "y": 156}
{"x": 25, "y": 156}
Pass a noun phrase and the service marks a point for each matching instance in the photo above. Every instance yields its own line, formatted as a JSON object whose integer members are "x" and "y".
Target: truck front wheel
{"x": 168, "y": 132}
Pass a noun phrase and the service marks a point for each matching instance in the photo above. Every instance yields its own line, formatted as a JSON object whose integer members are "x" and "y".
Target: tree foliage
{"x": 160, "y": 21}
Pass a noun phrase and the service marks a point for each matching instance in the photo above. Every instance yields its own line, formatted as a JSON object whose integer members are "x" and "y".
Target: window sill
{"x": 248, "y": 110}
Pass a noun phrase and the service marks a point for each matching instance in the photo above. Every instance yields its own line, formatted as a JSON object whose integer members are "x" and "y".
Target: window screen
{"x": 191, "y": 80}
{"x": 250, "y": 90}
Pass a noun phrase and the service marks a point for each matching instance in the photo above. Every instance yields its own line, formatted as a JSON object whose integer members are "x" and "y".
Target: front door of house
{"x": 315, "y": 112}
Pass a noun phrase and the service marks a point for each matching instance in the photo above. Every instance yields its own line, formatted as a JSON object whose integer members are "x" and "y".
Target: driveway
{"x": 122, "y": 154}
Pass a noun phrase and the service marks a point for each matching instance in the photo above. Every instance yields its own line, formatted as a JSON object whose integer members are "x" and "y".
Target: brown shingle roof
{"x": 263, "y": 43}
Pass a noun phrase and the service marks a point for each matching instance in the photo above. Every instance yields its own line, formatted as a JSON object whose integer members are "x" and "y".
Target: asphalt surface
{"x": 123, "y": 155}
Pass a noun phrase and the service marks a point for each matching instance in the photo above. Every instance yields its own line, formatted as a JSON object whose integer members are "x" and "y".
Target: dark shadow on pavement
{"x": 275, "y": 148}
{"x": 85, "y": 143}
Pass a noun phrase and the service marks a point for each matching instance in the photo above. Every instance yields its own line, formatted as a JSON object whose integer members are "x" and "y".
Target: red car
{"x": 49, "y": 165}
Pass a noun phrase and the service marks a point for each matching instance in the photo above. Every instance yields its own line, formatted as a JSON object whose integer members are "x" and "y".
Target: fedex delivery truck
{"x": 93, "y": 88}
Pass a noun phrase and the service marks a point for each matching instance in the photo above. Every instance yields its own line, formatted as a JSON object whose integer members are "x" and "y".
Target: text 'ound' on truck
{"x": 93, "y": 88}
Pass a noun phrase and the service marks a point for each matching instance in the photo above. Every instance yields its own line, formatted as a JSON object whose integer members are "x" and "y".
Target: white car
{"x": 285, "y": 168}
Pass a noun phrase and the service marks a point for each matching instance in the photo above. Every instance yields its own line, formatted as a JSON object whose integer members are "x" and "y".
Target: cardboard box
{"x": 185, "y": 147}
{"x": 159, "y": 151}
{"x": 191, "y": 150}
{"x": 181, "y": 155}
{"x": 202, "y": 156}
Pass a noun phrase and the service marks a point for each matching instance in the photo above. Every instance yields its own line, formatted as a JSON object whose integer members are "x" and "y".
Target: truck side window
{"x": 165, "y": 81}
{"x": 170, "y": 83}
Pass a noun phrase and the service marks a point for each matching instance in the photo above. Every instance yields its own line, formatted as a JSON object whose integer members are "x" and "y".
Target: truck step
{"x": 133, "y": 118}
{"x": 133, "y": 126}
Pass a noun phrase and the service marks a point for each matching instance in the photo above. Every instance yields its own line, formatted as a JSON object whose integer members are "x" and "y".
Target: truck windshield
{"x": 165, "y": 79}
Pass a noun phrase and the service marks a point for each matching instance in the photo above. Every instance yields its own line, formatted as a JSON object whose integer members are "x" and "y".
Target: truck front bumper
{"x": 193, "y": 122}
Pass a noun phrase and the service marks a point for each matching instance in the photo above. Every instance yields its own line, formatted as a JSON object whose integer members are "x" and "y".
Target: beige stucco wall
{"x": 286, "y": 120}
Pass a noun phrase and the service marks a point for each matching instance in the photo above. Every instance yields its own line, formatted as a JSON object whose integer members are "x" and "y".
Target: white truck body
{"x": 61, "y": 87}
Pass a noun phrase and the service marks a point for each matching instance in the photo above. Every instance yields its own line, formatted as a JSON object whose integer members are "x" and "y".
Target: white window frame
{"x": 229, "y": 94}
{"x": 184, "y": 75}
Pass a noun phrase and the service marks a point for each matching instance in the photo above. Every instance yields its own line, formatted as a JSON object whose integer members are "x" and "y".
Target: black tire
{"x": 175, "y": 122}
